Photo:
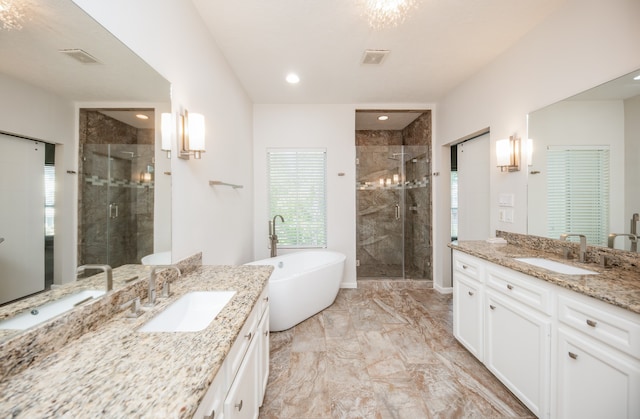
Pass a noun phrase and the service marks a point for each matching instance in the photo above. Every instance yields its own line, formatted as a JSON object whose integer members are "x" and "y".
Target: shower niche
{"x": 393, "y": 194}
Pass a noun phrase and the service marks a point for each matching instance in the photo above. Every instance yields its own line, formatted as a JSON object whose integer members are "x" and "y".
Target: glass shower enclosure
{"x": 116, "y": 203}
{"x": 393, "y": 212}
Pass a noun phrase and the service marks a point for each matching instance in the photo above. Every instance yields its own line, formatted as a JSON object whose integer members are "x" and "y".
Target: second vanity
{"x": 116, "y": 370}
{"x": 568, "y": 346}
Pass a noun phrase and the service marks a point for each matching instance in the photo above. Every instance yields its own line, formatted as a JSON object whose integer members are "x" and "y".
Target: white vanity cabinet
{"x": 468, "y": 303}
{"x": 563, "y": 354}
{"x": 598, "y": 360}
{"x": 238, "y": 389}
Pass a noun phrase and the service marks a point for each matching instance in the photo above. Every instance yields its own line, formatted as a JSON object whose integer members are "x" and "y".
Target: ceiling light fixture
{"x": 142, "y": 116}
{"x": 637, "y": 77}
{"x": 383, "y": 118}
{"x": 293, "y": 78}
{"x": 12, "y": 14}
{"x": 381, "y": 14}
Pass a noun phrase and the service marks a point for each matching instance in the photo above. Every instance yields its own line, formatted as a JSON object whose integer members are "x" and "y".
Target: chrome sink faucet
{"x": 583, "y": 244}
{"x": 151, "y": 294}
{"x": 612, "y": 238}
{"x": 104, "y": 268}
{"x": 273, "y": 237}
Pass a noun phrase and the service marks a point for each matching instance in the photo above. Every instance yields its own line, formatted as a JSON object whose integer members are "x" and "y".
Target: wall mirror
{"x": 584, "y": 172}
{"x": 60, "y": 50}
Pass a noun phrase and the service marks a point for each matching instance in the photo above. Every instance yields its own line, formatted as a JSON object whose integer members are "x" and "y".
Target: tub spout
{"x": 273, "y": 237}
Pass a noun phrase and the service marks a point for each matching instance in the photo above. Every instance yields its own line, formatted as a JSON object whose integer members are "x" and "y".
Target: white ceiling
{"x": 32, "y": 55}
{"x": 443, "y": 43}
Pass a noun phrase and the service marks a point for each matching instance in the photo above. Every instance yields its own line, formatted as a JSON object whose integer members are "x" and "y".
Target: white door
{"x": 21, "y": 217}
{"x": 473, "y": 189}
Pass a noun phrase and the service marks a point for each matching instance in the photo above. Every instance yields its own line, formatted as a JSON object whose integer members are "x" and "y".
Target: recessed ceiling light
{"x": 293, "y": 78}
{"x": 637, "y": 77}
{"x": 142, "y": 116}
{"x": 383, "y": 118}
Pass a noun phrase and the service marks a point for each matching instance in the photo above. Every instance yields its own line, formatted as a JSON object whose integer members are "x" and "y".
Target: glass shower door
{"x": 116, "y": 204}
{"x": 380, "y": 212}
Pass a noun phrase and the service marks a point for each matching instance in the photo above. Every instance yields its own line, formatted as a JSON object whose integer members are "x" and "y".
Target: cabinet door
{"x": 517, "y": 350}
{"x": 595, "y": 381}
{"x": 263, "y": 355}
{"x": 467, "y": 314}
{"x": 242, "y": 400}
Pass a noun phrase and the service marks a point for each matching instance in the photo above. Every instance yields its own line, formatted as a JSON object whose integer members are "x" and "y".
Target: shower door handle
{"x": 397, "y": 211}
{"x": 113, "y": 210}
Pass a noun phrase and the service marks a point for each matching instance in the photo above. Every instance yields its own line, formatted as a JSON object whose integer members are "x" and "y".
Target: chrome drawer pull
{"x": 470, "y": 293}
{"x": 509, "y": 286}
{"x": 464, "y": 266}
{"x": 266, "y": 333}
{"x": 591, "y": 323}
{"x": 249, "y": 336}
{"x": 492, "y": 307}
{"x": 266, "y": 299}
{"x": 239, "y": 406}
{"x": 573, "y": 356}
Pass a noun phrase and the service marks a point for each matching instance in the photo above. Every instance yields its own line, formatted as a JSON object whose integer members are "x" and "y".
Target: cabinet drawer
{"x": 601, "y": 321}
{"x": 520, "y": 287}
{"x": 263, "y": 301}
{"x": 467, "y": 265}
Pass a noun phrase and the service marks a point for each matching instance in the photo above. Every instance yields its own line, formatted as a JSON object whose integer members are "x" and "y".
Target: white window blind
{"x": 49, "y": 198}
{"x": 297, "y": 191}
{"x": 578, "y": 192}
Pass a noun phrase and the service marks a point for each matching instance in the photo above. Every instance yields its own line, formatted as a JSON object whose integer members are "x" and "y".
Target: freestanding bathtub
{"x": 301, "y": 285}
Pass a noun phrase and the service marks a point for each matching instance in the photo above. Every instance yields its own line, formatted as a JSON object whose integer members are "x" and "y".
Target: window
{"x": 578, "y": 192}
{"x": 297, "y": 191}
{"x": 49, "y": 198}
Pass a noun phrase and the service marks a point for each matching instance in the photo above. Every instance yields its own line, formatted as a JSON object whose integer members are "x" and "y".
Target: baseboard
{"x": 442, "y": 290}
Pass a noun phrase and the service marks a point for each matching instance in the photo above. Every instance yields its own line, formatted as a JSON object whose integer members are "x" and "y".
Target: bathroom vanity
{"x": 116, "y": 370}
{"x": 567, "y": 345}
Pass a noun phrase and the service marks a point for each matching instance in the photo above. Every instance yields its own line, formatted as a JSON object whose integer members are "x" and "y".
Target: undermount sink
{"x": 558, "y": 267}
{"x": 190, "y": 313}
{"x": 49, "y": 310}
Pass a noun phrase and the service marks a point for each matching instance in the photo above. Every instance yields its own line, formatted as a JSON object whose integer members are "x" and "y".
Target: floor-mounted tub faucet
{"x": 273, "y": 237}
{"x": 583, "y": 244}
{"x": 104, "y": 268}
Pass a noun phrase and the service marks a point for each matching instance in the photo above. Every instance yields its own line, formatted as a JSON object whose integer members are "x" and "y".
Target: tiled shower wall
{"x": 380, "y": 240}
{"x": 130, "y": 151}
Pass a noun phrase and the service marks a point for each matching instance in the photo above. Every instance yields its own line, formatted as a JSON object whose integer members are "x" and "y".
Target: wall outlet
{"x": 357, "y": 262}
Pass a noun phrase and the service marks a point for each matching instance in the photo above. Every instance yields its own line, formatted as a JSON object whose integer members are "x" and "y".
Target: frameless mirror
{"x": 584, "y": 173}
{"x": 60, "y": 53}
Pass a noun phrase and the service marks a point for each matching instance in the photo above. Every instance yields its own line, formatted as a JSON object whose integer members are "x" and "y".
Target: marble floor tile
{"x": 384, "y": 350}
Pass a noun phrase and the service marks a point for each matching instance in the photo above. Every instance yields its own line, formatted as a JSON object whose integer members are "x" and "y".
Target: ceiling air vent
{"x": 374, "y": 56}
{"x": 79, "y": 55}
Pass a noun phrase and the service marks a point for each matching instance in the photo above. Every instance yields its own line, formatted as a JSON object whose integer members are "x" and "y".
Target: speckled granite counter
{"x": 620, "y": 287}
{"x": 116, "y": 371}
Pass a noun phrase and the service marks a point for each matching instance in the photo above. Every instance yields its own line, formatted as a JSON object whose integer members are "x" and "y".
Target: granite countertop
{"x": 620, "y": 287}
{"x": 122, "y": 276}
{"x": 116, "y": 371}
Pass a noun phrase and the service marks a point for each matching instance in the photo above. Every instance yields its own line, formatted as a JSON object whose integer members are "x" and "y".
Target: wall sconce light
{"x": 191, "y": 135}
{"x": 529, "y": 152}
{"x": 508, "y": 154}
{"x": 166, "y": 130}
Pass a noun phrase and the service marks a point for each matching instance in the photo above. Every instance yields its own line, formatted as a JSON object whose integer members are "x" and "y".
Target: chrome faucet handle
{"x": 135, "y": 308}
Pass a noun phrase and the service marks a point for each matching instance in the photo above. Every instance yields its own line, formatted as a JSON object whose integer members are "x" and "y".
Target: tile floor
{"x": 384, "y": 350}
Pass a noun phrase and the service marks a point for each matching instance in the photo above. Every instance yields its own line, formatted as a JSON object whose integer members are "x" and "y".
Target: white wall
{"x": 36, "y": 113}
{"x": 585, "y": 43}
{"x": 173, "y": 39}
{"x": 322, "y": 126}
